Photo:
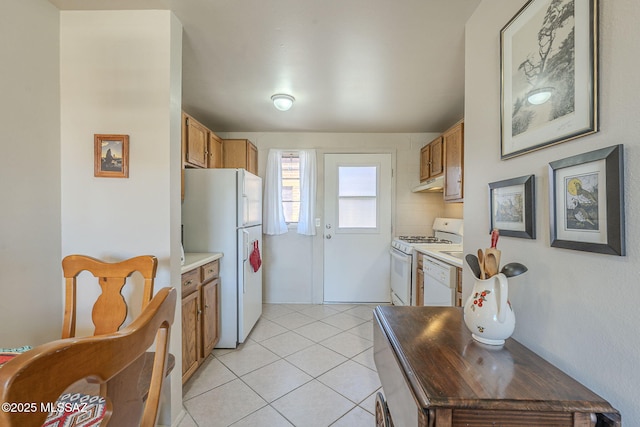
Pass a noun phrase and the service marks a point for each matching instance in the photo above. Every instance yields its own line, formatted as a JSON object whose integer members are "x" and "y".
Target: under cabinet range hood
{"x": 432, "y": 185}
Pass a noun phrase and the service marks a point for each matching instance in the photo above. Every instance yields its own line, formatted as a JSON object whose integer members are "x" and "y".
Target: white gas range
{"x": 443, "y": 250}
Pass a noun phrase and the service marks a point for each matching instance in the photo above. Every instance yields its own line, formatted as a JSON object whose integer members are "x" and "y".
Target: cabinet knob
{"x": 187, "y": 283}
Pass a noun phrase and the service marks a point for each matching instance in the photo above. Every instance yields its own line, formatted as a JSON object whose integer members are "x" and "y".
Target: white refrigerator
{"x": 222, "y": 212}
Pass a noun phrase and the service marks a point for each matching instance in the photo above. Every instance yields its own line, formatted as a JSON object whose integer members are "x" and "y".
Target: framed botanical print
{"x": 587, "y": 201}
{"x": 512, "y": 204}
{"x": 549, "y": 83}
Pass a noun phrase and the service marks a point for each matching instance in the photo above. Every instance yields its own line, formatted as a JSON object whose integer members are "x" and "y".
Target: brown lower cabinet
{"x": 420, "y": 281}
{"x": 200, "y": 315}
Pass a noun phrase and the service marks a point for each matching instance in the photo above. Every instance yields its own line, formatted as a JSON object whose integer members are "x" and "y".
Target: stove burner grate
{"x": 423, "y": 239}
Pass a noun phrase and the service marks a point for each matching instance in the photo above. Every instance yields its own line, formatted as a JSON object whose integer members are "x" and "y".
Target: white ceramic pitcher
{"x": 488, "y": 313}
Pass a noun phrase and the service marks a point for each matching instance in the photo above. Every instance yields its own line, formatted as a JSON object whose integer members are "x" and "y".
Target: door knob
{"x": 328, "y": 236}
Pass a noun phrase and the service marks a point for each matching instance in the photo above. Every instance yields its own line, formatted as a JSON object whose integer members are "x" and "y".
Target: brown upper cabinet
{"x": 201, "y": 148}
{"x": 453, "y": 140}
{"x": 240, "y": 153}
{"x": 195, "y": 142}
{"x": 431, "y": 160}
{"x": 215, "y": 151}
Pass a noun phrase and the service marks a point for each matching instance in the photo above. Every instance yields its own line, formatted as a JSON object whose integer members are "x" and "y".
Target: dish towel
{"x": 254, "y": 258}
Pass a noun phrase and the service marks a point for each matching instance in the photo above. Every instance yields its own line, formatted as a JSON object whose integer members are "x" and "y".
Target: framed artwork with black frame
{"x": 586, "y": 194}
{"x": 549, "y": 81}
{"x": 513, "y": 207}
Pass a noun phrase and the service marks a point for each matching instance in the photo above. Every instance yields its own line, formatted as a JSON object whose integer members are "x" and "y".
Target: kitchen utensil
{"x": 487, "y": 312}
{"x": 490, "y": 265}
{"x": 513, "y": 269}
{"x": 474, "y": 265}
{"x": 481, "y": 264}
{"x": 495, "y": 234}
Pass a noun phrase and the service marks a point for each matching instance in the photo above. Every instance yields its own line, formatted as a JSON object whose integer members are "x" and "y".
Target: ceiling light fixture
{"x": 282, "y": 101}
{"x": 539, "y": 96}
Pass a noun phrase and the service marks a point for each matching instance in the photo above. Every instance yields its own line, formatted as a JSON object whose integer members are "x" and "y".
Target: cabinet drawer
{"x": 210, "y": 271}
{"x": 190, "y": 281}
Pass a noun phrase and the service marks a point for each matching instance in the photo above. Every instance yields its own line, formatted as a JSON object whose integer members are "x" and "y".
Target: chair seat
{"x": 145, "y": 377}
{"x": 90, "y": 388}
{"x": 77, "y": 410}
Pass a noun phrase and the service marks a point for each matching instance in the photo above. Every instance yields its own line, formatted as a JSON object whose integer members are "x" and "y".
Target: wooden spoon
{"x": 481, "y": 264}
{"x": 491, "y": 265}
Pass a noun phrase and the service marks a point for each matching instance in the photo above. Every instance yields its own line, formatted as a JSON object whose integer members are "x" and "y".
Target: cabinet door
{"x": 210, "y": 331}
{"x": 425, "y": 162}
{"x": 240, "y": 153}
{"x": 458, "y": 287}
{"x": 419, "y": 281}
{"x": 436, "y": 166}
{"x": 252, "y": 158}
{"x": 453, "y": 141}
{"x": 234, "y": 152}
{"x": 190, "y": 334}
{"x": 419, "y": 287}
{"x": 215, "y": 151}
{"x": 195, "y": 146}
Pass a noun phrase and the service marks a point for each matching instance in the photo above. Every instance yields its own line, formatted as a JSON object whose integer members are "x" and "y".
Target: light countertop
{"x": 196, "y": 259}
{"x": 449, "y": 259}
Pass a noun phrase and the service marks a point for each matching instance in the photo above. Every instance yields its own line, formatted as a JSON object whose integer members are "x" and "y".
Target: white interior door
{"x": 357, "y": 228}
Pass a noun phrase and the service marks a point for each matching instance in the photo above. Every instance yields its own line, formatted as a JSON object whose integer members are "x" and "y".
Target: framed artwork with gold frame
{"x": 111, "y": 156}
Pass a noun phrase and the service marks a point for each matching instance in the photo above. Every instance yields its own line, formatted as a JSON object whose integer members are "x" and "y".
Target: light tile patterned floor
{"x": 302, "y": 365}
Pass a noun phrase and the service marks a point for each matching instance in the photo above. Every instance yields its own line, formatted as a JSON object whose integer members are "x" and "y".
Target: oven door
{"x": 400, "y": 277}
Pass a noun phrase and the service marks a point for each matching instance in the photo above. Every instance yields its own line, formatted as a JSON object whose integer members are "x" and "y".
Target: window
{"x": 290, "y": 164}
{"x": 357, "y": 196}
{"x": 290, "y": 192}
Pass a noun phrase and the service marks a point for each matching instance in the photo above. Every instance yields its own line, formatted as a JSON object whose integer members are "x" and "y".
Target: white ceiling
{"x": 352, "y": 65}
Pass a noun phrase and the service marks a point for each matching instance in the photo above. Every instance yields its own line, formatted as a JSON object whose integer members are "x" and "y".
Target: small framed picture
{"x": 111, "y": 156}
{"x": 586, "y": 194}
{"x": 513, "y": 208}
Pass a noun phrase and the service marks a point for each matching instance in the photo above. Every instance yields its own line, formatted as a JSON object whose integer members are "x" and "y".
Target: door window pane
{"x": 357, "y": 212}
{"x": 357, "y": 181}
{"x": 357, "y": 197}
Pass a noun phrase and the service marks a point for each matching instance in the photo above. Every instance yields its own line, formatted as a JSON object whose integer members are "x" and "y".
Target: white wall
{"x": 578, "y": 310}
{"x": 30, "y": 292}
{"x": 121, "y": 74}
{"x": 294, "y": 263}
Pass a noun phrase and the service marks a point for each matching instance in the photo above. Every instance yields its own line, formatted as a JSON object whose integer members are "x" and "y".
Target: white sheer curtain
{"x": 272, "y": 211}
{"x": 307, "y": 192}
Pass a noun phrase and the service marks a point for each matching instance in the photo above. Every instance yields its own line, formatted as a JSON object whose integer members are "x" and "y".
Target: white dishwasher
{"x": 439, "y": 282}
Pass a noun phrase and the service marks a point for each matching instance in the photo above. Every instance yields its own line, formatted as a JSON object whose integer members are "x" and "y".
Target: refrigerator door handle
{"x": 245, "y": 254}
{"x": 245, "y": 245}
{"x": 245, "y": 210}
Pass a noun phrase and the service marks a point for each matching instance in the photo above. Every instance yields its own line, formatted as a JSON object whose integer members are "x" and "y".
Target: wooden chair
{"x": 43, "y": 373}
{"x": 110, "y": 309}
